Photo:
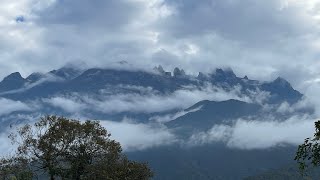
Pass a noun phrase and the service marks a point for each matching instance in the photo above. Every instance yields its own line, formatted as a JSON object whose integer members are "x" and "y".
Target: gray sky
{"x": 259, "y": 38}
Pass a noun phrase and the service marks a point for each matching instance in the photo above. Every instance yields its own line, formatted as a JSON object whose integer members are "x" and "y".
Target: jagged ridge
{"x": 71, "y": 79}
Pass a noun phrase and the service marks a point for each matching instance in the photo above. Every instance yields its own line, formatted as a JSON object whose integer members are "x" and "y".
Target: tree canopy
{"x": 62, "y": 148}
{"x": 308, "y": 153}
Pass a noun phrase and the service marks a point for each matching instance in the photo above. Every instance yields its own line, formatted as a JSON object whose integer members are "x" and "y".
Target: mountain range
{"x": 77, "y": 92}
{"x": 71, "y": 79}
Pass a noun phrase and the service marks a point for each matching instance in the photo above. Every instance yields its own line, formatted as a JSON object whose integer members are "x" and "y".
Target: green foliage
{"x": 69, "y": 149}
{"x": 15, "y": 168}
{"x": 308, "y": 153}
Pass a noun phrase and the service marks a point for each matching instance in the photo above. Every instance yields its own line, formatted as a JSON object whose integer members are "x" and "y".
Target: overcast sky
{"x": 259, "y": 38}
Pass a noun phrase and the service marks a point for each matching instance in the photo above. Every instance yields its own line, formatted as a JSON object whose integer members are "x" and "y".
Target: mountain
{"x": 98, "y": 93}
{"x": 281, "y": 89}
{"x": 70, "y": 80}
{"x": 66, "y": 73}
{"x": 96, "y": 79}
{"x": 211, "y": 113}
{"x": 35, "y": 77}
{"x": 12, "y": 82}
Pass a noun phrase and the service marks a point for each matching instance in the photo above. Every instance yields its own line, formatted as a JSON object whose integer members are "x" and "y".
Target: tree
{"x": 69, "y": 149}
{"x": 308, "y": 153}
{"x": 15, "y": 168}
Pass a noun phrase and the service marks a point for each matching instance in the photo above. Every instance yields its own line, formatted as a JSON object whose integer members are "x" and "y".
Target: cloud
{"x": 197, "y": 35}
{"x": 145, "y": 100}
{"x": 134, "y": 136}
{"x": 8, "y": 106}
{"x": 312, "y": 96}
{"x": 258, "y": 134}
{"x": 170, "y": 117}
{"x": 68, "y": 105}
{"x": 6, "y": 148}
{"x": 223, "y": 17}
{"x": 96, "y": 32}
{"x": 244, "y": 134}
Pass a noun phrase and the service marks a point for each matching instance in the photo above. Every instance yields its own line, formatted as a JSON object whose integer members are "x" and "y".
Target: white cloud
{"x": 134, "y": 136}
{"x": 284, "y": 108}
{"x": 312, "y": 96}
{"x": 8, "y": 106}
{"x": 196, "y": 35}
{"x": 169, "y": 117}
{"x": 258, "y": 134}
{"x": 146, "y": 100}
{"x": 68, "y": 105}
{"x": 179, "y": 99}
{"x": 6, "y": 148}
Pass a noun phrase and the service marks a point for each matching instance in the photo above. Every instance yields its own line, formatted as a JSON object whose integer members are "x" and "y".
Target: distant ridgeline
{"x": 71, "y": 79}
{"x": 99, "y": 93}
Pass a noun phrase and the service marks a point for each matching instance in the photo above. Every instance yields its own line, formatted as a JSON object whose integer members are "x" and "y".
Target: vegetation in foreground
{"x": 61, "y": 148}
{"x": 308, "y": 153}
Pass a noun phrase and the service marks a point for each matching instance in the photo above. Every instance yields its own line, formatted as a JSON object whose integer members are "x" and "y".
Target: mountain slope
{"x": 211, "y": 113}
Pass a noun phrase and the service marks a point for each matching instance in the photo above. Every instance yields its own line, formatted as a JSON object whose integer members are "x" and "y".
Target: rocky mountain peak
{"x": 282, "y": 82}
{"x": 35, "y": 77}
{"x": 159, "y": 69}
{"x": 225, "y": 73}
{"x": 16, "y": 76}
{"x": 67, "y": 72}
{"x": 178, "y": 72}
{"x": 11, "y": 82}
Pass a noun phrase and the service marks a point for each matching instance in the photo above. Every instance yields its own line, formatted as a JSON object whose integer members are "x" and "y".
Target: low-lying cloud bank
{"x": 8, "y": 106}
{"x": 257, "y": 134}
{"x": 150, "y": 101}
{"x": 243, "y": 134}
{"x": 133, "y": 136}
